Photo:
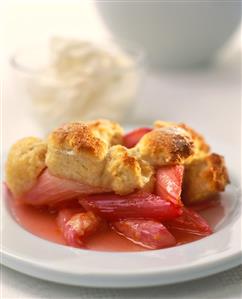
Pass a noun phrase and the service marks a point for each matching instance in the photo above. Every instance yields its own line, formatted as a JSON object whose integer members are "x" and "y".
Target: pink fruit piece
{"x": 169, "y": 183}
{"x": 147, "y": 233}
{"x": 51, "y": 190}
{"x": 140, "y": 205}
{"x": 190, "y": 222}
{"x": 133, "y": 137}
{"x": 78, "y": 227}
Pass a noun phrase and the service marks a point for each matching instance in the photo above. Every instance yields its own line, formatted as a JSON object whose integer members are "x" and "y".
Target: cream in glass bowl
{"x": 78, "y": 80}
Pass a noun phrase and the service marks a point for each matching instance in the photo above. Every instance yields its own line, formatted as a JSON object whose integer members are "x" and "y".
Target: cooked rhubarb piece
{"x": 147, "y": 233}
{"x": 169, "y": 183}
{"x": 50, "y": 190}
{"x": 65, "y": 215}
{"x": 133, "y": 137}
{"x": 140, "y": 205}
{"x": 78, "y": 226}
{"x": 190, "y": 222}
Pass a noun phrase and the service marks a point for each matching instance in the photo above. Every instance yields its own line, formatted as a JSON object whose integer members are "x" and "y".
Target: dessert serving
{"x": 90, "y": 185}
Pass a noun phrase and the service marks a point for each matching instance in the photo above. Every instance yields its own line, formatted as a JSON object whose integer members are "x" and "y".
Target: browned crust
{"x": 218, "y": 173}
{"x": 129, "y": 161}
{"x": 177, "y": 145}
{"x": 200, "y": 145}
{"x": 77, "y": 137}
{"x": 198, "y": 138}
{"x": 165, "y": 146}
{"x": 107, "y": 130}
{"x": 204, "y": 177}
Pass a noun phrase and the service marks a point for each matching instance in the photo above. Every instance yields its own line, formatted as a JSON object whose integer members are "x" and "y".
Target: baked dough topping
{"x": 165, "y": 146}
{"x": 78, "y": 138}
{"x": 97, "y": 161}
{"x": 92, "y": 153}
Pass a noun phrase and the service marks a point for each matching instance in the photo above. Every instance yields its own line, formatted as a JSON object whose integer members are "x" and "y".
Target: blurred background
{"x": 132, "y": 61}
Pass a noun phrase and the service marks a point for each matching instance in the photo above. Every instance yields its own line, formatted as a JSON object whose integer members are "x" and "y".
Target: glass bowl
{"x": 70, "y": 81}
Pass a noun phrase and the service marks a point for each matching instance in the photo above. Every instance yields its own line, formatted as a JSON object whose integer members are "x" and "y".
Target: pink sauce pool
{"x": 42, "y": 223}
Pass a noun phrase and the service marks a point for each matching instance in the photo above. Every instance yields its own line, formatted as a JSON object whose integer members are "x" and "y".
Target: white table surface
{"x": 226, "y": 285}
{"x": 209, "y": 100}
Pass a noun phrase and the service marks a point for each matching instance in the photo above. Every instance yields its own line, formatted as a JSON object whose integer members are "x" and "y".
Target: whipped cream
{"x": 83, "y": 81}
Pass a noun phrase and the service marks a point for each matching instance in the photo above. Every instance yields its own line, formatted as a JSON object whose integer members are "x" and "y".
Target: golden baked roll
{"x": 204, "y": 177}
{"x": 165, "y": 146}
{"x": 25, "y": 162}
{"x": 200, "y": 145}
{"x": 125, "y": 172}
{"x": 74, "y": 152}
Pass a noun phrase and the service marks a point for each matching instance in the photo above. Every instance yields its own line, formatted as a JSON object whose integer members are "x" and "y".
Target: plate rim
{"x": 102, "y": 280}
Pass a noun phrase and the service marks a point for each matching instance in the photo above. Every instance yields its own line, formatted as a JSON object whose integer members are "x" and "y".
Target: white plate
{"x": 31, "y": 255}
{"x": 34, "y": 256}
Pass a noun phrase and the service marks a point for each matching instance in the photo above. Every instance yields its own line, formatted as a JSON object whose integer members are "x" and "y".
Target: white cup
{"x": 175, "y": 34}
